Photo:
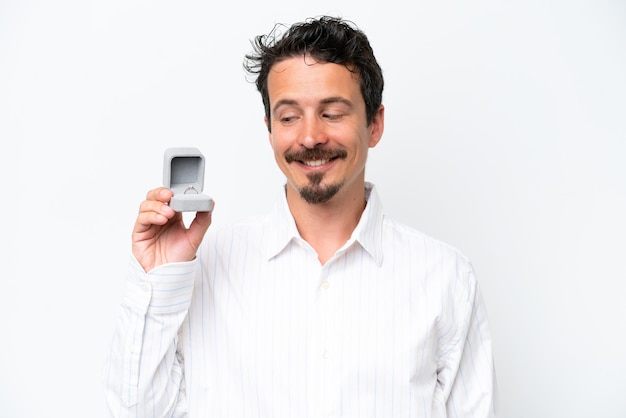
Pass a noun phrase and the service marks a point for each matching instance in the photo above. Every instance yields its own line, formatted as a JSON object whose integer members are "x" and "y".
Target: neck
{"x": 327, "y": 226}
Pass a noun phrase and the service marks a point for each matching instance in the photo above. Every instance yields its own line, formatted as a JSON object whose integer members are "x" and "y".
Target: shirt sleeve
{"x": 143, "y": 375}
{"x": 466, "y": 374}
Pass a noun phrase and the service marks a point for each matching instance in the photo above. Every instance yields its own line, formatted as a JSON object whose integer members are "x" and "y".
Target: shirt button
{"x": 325, "y": 284}
{"x": 325, "y": 354}
{"x": 145, "y": 286}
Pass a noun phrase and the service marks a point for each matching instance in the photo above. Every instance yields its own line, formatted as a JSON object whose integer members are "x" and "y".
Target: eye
{"x": 286, "y": 113}
{"x": 335, "y": 110}
{"x": 332, "y": 116}
{"x": 287, "y": 117}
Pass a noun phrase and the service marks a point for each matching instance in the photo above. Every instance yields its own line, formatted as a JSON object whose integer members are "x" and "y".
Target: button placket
{"x": 328, "y": 348}
{"x": 323, "y": 288}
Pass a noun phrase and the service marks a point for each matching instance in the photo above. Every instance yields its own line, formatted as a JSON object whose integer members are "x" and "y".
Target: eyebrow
{"x": 283, "y": 102}
{"x": 328, "y": 100}
{"x": 337, "y": 99}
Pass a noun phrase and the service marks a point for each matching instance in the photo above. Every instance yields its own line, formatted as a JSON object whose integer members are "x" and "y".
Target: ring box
{"x": 183, "y": 173}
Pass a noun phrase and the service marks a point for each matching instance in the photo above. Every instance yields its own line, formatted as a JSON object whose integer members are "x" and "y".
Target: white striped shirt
{"x": 392, "y": 326}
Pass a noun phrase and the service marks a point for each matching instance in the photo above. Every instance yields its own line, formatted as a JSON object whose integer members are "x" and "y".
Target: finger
{"x": 156, "y": 206}
{"x": 152, "y": 212}
{"x": 161, "y": 194}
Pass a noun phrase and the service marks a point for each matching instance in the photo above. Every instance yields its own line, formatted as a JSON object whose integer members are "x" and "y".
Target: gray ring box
{"x": 183, "y": 173}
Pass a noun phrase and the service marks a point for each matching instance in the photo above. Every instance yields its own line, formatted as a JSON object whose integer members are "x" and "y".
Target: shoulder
{"x": 438, "y": 260}
{"x": 403, "y": 233}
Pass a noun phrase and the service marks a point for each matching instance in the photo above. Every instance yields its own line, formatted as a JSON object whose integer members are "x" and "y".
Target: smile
{"x": 315, "y": 163}
{"x": 315, "y": 157}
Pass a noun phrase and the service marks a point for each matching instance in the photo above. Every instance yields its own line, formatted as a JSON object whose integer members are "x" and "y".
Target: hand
{"x": 160, "y": 236}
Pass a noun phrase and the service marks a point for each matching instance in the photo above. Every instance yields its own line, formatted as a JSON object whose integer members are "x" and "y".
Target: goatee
{"x": 316, "y": 193}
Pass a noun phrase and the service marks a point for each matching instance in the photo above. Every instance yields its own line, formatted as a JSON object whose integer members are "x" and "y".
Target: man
{"x": 323, "y": 308}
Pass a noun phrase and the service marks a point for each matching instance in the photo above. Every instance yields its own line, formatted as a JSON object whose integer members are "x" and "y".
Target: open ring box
{"x": 183, "y": 173}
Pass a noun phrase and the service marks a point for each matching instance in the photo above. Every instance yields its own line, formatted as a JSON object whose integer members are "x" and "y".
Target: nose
{"x": 313, "y": 132}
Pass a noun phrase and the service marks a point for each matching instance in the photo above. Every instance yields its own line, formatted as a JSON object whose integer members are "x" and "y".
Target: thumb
{"x": 198, "y": 227}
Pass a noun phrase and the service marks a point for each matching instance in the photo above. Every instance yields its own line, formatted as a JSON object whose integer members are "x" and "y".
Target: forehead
{"x": 303, "y": 76}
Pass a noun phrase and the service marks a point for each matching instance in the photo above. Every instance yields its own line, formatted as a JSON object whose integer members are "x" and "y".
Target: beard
{"x": 315, "y": 192}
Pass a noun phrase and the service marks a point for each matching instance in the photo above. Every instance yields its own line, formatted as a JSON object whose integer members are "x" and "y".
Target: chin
{"x": 315, "y": 194}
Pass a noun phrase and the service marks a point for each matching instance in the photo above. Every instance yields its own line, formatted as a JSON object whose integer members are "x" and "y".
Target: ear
{"x": 269, "y": 129}
{"x": 377, "y": 126}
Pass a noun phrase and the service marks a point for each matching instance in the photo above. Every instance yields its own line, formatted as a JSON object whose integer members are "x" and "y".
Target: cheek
{"x": 279, "y": 151}
{"x": 274, "y": 142}
{"x": 280, "y": 141}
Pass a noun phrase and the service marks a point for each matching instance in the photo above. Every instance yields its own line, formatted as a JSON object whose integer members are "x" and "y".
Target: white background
{"x": 505, "y": 137}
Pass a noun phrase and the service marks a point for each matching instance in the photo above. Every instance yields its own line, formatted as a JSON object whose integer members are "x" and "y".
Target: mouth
{"x": 317, "y": 163}
{"x": 315, "y": 157}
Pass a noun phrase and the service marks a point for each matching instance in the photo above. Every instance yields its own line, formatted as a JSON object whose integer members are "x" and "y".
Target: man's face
{"x": 319, "y": 131}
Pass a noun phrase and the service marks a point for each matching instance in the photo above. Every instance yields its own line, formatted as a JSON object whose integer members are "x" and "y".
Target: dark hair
{"x": 327, "y": 39}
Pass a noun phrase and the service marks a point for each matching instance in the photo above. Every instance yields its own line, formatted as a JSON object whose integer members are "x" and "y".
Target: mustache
{"x": 315, "y": 154}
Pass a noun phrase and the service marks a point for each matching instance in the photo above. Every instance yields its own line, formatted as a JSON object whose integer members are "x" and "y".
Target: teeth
{"x": 315, "y": 163}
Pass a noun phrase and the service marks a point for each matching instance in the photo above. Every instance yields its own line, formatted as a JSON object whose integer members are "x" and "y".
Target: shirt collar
{"x": 282, "y": 228}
